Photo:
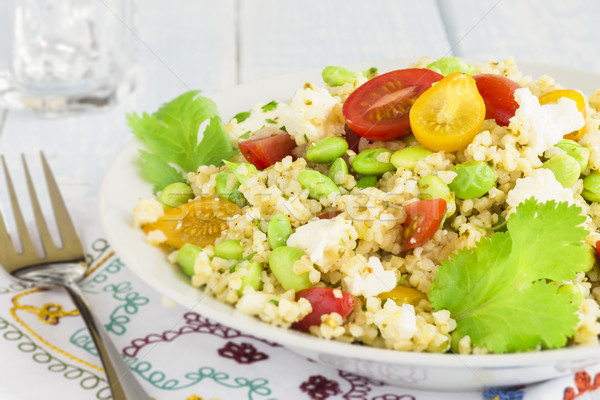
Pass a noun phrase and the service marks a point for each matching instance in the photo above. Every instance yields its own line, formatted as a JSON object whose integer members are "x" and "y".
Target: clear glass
{"x": 64, "y": 56}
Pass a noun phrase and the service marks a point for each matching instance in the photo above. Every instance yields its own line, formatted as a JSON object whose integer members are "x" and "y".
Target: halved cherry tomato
{"x": 423, "y": 219}
{"x": 198, "y": 222}
{"x": 598, "y": 248}
{"x": 264, "y": 152}
{"x": 378, "y": 110}
{"x": 352, "y": 138}
{"x": 323, "y": 301}
{"x": 448, "y": 115}
{"x": 498, "y": 93}
{"x": 554, "y": 96}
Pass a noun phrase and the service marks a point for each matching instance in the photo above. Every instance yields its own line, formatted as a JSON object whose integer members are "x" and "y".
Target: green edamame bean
{"x": 242, "y": 171}
{"x": 318, "y": 185}
{"x": 432, "y": 187}
{"x": 474, "y": 179}
{"x": 281, "y": 263}
{"x": 367, "y": 181}
{"x": 326, "y": 150}
{"x": 338, "y": 76}
{"x": 591, "y": 187}
{"x": 176, "y": 194}
{"x": 454, "y": 340}
{"x": 227, "y": 191}
{"x": 373, "y": 161}
{"x": 338, "y": 171}
{"x": 252, "y": 278}
{"x": 448, "y": 65}
{"x": 409, "y": 156}
{"x": 565, "y": 168}
{"x": 278, "y": 231}
{"x": 230, "y": 249}
{"x": 575, "y": 150}
{"x": 186, "y": 257}
{"x": 573, "y": 292}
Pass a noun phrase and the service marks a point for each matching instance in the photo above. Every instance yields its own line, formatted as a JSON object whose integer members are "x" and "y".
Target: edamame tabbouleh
{"x": 442, "y": 207}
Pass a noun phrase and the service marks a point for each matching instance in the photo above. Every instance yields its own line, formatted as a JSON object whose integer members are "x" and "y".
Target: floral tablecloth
{"x": 177, "y": 353}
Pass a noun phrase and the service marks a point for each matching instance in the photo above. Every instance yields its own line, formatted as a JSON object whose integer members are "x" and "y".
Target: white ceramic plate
{"x": 122, "y": 187}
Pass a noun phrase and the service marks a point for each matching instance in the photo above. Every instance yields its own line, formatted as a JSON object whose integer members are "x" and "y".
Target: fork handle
{"x": 122, "y": 383}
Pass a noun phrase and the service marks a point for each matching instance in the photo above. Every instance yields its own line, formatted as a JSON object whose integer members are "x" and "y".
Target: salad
{"x": 443, "y": 207}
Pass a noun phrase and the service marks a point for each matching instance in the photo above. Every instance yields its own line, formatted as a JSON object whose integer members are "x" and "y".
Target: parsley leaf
{"x": 242, "y": 116}
{"x": 270, "y": 106}
{"x": 155, "y": 170}
{"x": 171, "y": 136}
{"x": 501, "y": 294}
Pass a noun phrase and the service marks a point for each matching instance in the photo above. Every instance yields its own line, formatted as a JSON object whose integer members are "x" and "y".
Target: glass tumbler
{"x": 62, "y": 57}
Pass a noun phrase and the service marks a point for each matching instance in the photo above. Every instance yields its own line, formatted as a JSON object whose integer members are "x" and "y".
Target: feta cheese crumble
{"x": 313, "y": 114}
{"x": 318, "y": 236}
{"x": 377, "y": 281}
{"x": 540, "y": 184}
{"x": 544, "y": 125}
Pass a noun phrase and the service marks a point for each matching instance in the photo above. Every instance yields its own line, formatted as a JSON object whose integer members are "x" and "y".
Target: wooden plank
{"x": 548, "y": 31}
{"x": 282, "y": 36}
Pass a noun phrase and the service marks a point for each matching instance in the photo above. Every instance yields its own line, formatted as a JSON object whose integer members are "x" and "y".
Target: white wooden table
{"x": 215, "y": 44}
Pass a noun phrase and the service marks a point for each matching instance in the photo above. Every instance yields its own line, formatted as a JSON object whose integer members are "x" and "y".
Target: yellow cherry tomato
{"x": 403, "y": 294}
{"x": 448, "y": 115}
{"x": 552, "y": 98}
{"x": 198, "y": 222}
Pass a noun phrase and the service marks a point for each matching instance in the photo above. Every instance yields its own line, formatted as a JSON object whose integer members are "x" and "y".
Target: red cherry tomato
{"x": 598, "y": 247}
{"x": 423, "y": 219}
{"x": 323, "y": 301}
{"x": 352, "y": 138}
{"x": 264, "y": 152}
{"x": 498, "y": 95}
{"x": 378, "y": 110}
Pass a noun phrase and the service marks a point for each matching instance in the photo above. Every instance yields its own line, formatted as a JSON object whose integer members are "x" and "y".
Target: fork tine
{"x": 8, "y": 253}
{"x": 68, "y": 235}
{"x": 24, "y": 236}
{"x": 47, "y": 242}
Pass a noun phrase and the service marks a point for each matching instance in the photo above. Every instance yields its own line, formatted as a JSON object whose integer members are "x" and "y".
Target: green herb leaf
{"x": 271, "y": 121}
{"x": 241, "y": 117}
{"x": 499, "y": 292}
{"x": 171, "y": 136}
{"x": 270, "y": 106}
{"x": 245, "y": 135}
{"x": 215, "y": 145}
{"x": 247, "y": 258}
{"x": 157, "y": 171}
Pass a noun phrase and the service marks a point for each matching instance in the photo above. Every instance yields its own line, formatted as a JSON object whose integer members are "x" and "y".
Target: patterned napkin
{"x": 176, "y": 353}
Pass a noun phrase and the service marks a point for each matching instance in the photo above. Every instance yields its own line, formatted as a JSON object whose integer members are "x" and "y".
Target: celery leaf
{"x": 171, "y": 136}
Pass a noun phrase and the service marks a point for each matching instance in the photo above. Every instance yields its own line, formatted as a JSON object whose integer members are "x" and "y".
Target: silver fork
{"x": 61, "y": 266}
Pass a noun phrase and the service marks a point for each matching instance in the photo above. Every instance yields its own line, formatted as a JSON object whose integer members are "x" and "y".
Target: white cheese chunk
{"x": 316, "y": 237}
{"x": 545, "y": 125}
{"x": 542, "y": 185}
{"x": 375, "y": 282}
{"x": 313, "y": 114}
